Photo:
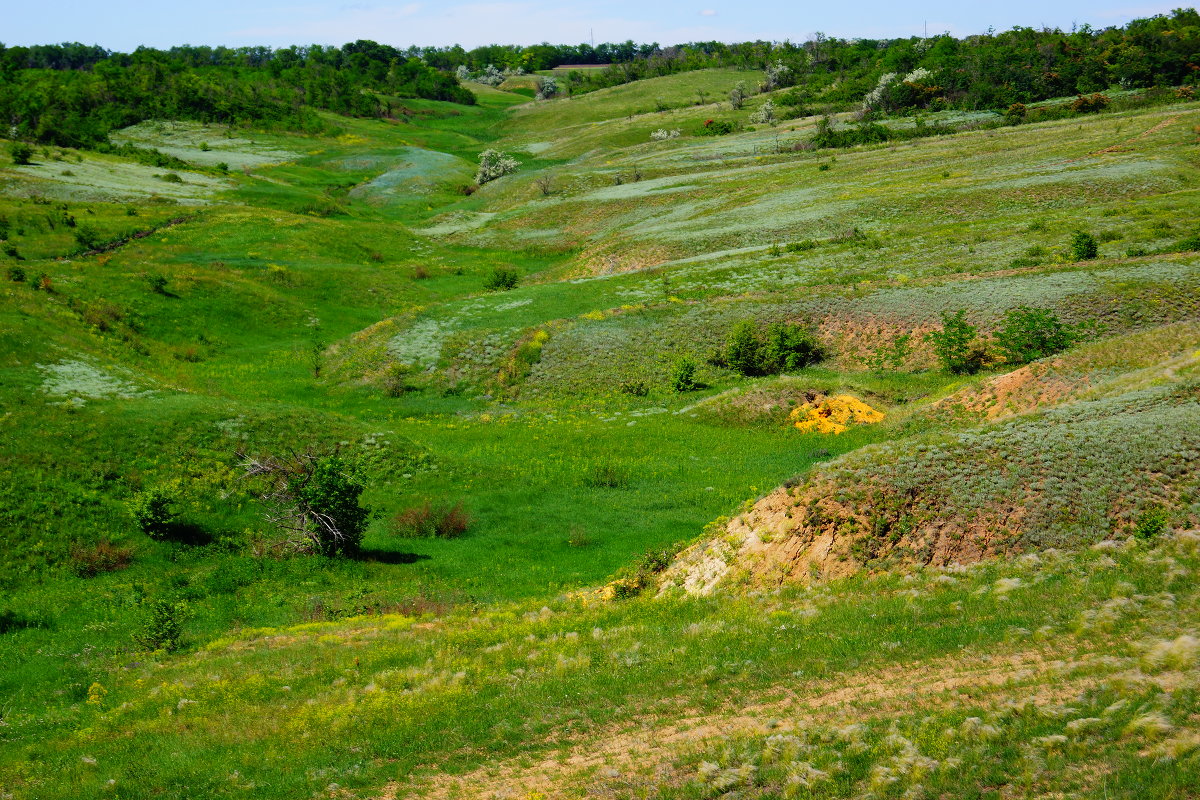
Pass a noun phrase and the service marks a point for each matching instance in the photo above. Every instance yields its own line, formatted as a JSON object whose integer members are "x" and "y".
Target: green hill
{"x": 602, "y": 558}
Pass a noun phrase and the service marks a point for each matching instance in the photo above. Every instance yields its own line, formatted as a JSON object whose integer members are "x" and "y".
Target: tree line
{"x": 72, "y": 95}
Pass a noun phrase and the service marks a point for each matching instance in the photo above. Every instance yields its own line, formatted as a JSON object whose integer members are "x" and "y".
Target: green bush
{"x": 1083, "y": 246}
{"x": 21, "y": 152}
{"x": 329, "y": 496}
{"x": 955, "y": 345}
{"x": 784, "y": 347}
{"x": 152, "y": 511}
{"x": 1150, "y": 523}
{"x": 162, "y": 629}
{"x": 501, "y": 280}
{"x": 16, "y": 274}
{"x": 1027, "y": 334}
{"x": 683, "y": 375}
{"x": 716, "y": 127}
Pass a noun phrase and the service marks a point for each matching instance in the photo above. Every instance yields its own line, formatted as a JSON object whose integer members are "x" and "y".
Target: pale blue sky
{"x": 124, "y": 24}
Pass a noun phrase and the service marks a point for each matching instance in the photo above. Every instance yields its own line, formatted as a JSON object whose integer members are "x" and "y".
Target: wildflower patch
{"x": 833, "y": 415}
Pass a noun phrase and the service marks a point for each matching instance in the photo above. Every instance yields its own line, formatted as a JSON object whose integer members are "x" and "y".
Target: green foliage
{"x": 636, "y": 578}
{"x": 787, "y": 348}
{"x": 955, "y": 345}
{"x": 716, "y": 127}
{"x": 1151, "y": 523}
{"x": 329, "y": 494}
{"x": 683, "y": 375}
{"x": 783, "y": 348}
{"x": 1084, "y": 246}
{"x": 16, "y": 274}
{"x": 153, "y": 511}
{"x": 634, "y": 387}
{"x": 501, "y": 279}
{"x": 891, "y": 356}
{"x": 162, "y": 628}
{"x": 20, "y": 152}
{"x": 1027, "y": 334}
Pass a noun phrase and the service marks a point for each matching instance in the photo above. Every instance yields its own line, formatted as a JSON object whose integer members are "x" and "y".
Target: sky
{"x": 124, "y": 24}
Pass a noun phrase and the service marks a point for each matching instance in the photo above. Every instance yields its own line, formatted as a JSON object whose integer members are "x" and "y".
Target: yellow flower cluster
{"x": 833, "y": 414}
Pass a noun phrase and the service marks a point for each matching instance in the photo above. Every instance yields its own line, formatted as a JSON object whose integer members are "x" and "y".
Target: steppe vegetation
{"x": 513, "y": 448}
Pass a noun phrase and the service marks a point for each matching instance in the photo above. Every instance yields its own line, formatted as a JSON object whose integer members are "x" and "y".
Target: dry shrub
{"x": 444, "y": 521}
{"x": 89, "y": 560}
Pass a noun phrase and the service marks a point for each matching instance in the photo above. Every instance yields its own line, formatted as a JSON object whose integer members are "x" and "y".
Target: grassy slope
{"x": 301, "y": 255}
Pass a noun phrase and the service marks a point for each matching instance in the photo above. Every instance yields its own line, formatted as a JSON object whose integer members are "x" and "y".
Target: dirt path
{"x": 647, "y": 747}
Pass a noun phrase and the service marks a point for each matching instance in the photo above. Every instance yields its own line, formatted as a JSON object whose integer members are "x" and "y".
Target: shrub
{"x": 891, "y": 356}
{"x": 16, "y": 274}
{"x": 765, "y": 114}
{"x": 785, "y": 347}
{"x": 171, "y": 177}
{"x": 801, "y": 246}
{"x": 716, "y": 127}
{"x": 662, "y": 134}
{"x": 494, "y": 164}
{"x": 738, "y": 95}
{"x": 500, "y": 280}
{"x": 88, "y": 561}
{"x": 634, "y": 388}
{"x": 21, "y": 152}
{"x": 955, "y": 345}
{"x": 1014, "y": 114}
{"x": 162, "y": 629}
{"x": 314, "y": 500}
{"x": 152, "y": 511}
{"x": 637, "y": 577}
{"x": 1083, "y": 246}
{"x": 683, "y": 375}
{"x": 1150, "y": 523}
{"x": 1088, "y": 104}
{"x": 429, "y": 521}
{"x": 1027, "y": 334}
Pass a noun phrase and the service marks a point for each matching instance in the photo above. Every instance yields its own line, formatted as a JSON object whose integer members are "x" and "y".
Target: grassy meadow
{"x": 990, "y": 593}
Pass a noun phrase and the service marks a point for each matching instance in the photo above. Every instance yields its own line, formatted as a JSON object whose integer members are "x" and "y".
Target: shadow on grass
{"x": 188, "y": 533}
{"x": 390, "y": 557}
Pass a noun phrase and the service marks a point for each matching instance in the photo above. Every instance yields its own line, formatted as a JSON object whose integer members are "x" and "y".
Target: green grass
{"x": 330, "y": 293}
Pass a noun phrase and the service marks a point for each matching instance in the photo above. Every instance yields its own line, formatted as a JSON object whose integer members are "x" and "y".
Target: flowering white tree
{"x": 491, "y": 76}
{"x": 778, "y": 76}
{"x": 494, "y": 164}
{"x": 765, "y": 114}
{"x": 662, "y": 134}
{"x": 547, "y": 88}
{"x": 462, "y": 73}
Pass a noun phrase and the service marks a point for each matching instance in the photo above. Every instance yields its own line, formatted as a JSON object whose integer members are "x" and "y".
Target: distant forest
{"x": 74, "y": 94}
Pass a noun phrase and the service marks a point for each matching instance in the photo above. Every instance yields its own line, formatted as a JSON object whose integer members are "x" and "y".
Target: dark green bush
{"x": 21, "y": 152}
{"x": 1083, "y": 246}
{"x": 1027, "y": 334}
{"x": 955, "y": 345}
{"x": 16, "y": 274}
{"x": 329, "y": 495}
{"x": 1150, "y": 523}
{"x": 783, "y": 348}
{"x": 501, "y": 280}
{"x": 683, "y": 375}
{"x": 716, "y": 127}
{"x": 152, "y": 511}
{"x": 162, "y": 629}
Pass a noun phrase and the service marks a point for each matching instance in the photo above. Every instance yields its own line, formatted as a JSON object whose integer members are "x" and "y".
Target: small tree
{"x": 741, "y": 349}
{"x": 462, "y": 73}
{"x": 1084, "y": 247}
{"x": 765, "y": 114}
{"x": 313, "y": 500}
{"x": 787, "y": 348}
{"x": 737, "y": 95}
{"x": 547, "y": 88}
{"x": 545, "y": 184}
{"x": 683, "y": 375}
{"x": 21, "y": 152}
{"x": 955, "y": 344}
{"x": 491, "y": 76}
{"x": 494, "y": 164}
{"x": 1027, "y": 334}
{"x": 501, "y": 280}
{"x": 152, "y": 511}
{"x": 778, "y": 76}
